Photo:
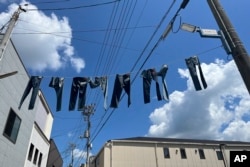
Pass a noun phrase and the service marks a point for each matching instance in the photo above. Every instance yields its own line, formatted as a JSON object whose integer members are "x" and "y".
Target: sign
{"x": 239, "y": 158}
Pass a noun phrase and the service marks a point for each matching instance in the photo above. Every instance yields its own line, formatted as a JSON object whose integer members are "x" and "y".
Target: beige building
{"x": 166, "y": 152}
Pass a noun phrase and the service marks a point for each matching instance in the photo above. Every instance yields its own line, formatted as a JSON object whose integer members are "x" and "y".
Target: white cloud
{"x": 82, "y": 154}
{"x": 77, "y": 153}
{"x": 214, "y": 113}
{"x": 43, "y": 47}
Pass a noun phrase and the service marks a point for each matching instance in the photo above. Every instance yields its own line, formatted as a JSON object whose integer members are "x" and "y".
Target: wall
{"x": 150, "y": 154}
{"x": 12, "y": 88}
{"x": 41, "y": 144}
{"x": 41, "y": 132}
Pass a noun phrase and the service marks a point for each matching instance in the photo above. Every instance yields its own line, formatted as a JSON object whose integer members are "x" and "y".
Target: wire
{"x": 140, "y": 56}
{"x": 76, "y": 7}
{"x": 50, "y": 2}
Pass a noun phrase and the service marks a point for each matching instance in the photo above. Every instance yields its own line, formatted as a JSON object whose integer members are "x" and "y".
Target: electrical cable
{"x": 76, "y": 7}
{"x": 46, "y": 2}
{"x": 183, "y": 5}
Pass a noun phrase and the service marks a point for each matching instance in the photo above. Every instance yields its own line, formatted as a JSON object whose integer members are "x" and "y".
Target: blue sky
{"x": 107, "y": 39}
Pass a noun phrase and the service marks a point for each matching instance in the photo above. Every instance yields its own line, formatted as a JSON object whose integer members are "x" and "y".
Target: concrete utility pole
{"x": 72, "y": 147}
{"x": 87, "y": 112}
{"x": 9, "y": 30}
{"x": 239, "y": 52}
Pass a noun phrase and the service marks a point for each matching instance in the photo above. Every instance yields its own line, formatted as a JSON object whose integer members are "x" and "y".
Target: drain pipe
{"x": 222, "y": 149}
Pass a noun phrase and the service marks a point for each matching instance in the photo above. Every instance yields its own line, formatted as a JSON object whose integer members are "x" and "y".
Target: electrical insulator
{"x": 86, "y": 134}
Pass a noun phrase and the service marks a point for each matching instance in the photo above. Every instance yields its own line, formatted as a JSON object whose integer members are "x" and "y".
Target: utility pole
{"x": 87, "y": 112}
{"x": 72, "y": 147}
{"x": 9, "y": 30}
{"x": 239, "y": 52}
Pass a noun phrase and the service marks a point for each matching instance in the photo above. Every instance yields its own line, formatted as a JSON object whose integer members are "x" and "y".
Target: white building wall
{"x": 44, "y": 117}
{"x": 40, "y": 133}
{"x": 40, "y": 143}
{"x": 11, "y": 91}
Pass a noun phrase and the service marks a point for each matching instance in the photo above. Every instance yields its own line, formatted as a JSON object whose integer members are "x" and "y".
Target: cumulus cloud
{"x": 39, "y": 42}
{"x": 77, "y": 153}
{"x": 221, "y": 111}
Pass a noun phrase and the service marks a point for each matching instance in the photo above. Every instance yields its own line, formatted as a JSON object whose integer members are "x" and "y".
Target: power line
{"x": 182, "y": 6}
{"x": 46, "y": 2}
{"x": 76, "y": 7}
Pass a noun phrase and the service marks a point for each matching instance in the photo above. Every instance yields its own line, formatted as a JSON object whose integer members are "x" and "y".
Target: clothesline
{"x": 122, "y": 82}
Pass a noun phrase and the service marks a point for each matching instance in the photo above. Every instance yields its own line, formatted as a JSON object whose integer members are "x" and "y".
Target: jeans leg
{"x": 59, "y": 91}
{"x": 104, "y": 87}
{"x": 126, "y": 82}
{"x": 82, "y": 96}
{"x": 146, "y": 89}
{"x": 117, "y": 91}
{"x": 35, "y": 84}
{"x": 73, "y": 94}
{"x": 192, "y": 70}
{"x": 25, "y": 93}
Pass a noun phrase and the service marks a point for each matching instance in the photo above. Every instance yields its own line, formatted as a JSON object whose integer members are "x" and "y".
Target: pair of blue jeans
{"x": 192, "y": 63}
{"x": 103, "y": 83}
{"x": 149, "y": 75}
{"x": 78, "y": 88}
{"x": 121, "y": 82}
{"x": 57, "y": 83}
{"x": 34, "y": 83}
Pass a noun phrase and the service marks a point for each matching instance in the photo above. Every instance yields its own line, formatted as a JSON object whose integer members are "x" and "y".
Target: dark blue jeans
{"x": 103, "y": 83}
{"x": 121, "y": 82}
{"x": 79, "y": 87}
{"x": 191, "y": 63}
{"x": 57, "y": 83}
{"x": 162, "y": 73}
{"x": 147, "y": 76}
{"x": 34, "y": 83}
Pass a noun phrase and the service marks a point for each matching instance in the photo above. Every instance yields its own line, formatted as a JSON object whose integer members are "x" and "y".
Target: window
{"x": 201, "y": 153}
{"x": 40, "y": 160}
{"x": 12, "y": 126}
{"x": 183, "y": 153}
{"x": 166, "y": 152}
{"x": 219, "y": 155}
{"x": 35, "y": 156}
{"x": 31, "y": 152}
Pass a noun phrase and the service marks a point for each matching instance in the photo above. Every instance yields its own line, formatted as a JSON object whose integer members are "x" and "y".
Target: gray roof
{"x": 157, "y": 139}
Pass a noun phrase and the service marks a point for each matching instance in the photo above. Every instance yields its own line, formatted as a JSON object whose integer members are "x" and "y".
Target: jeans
{"x": 147, "y": 76}
{"x": 79, "y": 86}
{"x": 121, "y": 82}
{"x": 34, "y": 83}
{"x": 192, "y": 63}
{"x": 103, "y": 83}
{"x": 57, "y": 83}
{"x": 162, "y": 73}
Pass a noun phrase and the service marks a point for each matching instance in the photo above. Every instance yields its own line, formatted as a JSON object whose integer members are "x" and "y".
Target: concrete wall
{"x": 41, "y": 144}
{"x": 151, "y": 154}
{"x": 11, "y": 91}
{"x": 40, "y": 136}
{"x": 54, "y": 158}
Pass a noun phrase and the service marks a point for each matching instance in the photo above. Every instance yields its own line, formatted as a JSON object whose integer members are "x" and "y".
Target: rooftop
{"x": 176, "y": 140}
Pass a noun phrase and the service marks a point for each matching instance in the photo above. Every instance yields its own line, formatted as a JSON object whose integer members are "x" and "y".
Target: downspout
{"x": 111, "y": 159}
{"x": 156, "y": 157}
{"x": 222, "y": 149}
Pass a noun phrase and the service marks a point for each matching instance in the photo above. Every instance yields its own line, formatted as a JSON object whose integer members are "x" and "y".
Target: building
{"x": 54, "y": 158}
{"x": 166, "y": 152}
{"x": 39, "y": 144}
{"x": 25, "y": 134}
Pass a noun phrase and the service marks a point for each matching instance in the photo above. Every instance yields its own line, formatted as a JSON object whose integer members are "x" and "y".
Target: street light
{"x": 208, "y": 33}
